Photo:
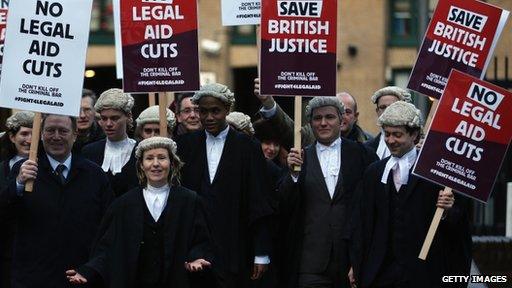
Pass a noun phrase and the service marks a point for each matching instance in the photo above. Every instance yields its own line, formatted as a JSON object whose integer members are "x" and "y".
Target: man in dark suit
{"x": 228, "y": 170}
{"x": 57, "y": 222}
{"x": 396, "y": 211}
{"x": 88, "y": 129}
{"x": 382, "y": 98}
{"x": 315, "y": 203}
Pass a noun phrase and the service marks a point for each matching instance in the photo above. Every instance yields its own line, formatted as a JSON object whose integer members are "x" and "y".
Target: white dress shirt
{"x": 53, "y": 163}
{"x": 67, "y": 163}
{"x": 382, "y": 149}
{"x": 329, "y": 158}
{"x": 214, "y": 147}
{"x": 404, "y": 164}
{"x": 268, "y": 113}
{"x": 156, "y": 199}
{"x": 117, "y": 154}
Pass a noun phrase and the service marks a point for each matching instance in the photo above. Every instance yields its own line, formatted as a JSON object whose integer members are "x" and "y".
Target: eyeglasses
{"x": 188, "y": 111}
{"x": 50, "y": 131}
{"x": 151, "y": 130}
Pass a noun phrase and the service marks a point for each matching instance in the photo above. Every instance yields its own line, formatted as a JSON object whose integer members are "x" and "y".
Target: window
{"x": 400, "y": 78}
{"x": 244, "y": 35}
{"x": 102, "y": 22}
{"x": 403, "y": 23}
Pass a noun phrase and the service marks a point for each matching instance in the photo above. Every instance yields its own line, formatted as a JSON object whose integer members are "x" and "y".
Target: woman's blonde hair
{"x": 155, "y": 143}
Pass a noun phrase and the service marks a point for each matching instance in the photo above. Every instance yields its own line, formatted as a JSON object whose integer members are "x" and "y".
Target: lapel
{"x": 411, "y": 185}
{"x": 226, "y": 157}
{"x": 316, "y": 171}
{"x": 382, "y": 199}
{"x": 102, "y": 151}
{"x": 173, "y": 207}
{"x": 135, "y": 214}
{"x": 346, "y": 176}
{"x": 98, "y": 153}
{"x": 194, "y": 155}
{"x": 45, "y": 166}
{"x": 74, "y": 169}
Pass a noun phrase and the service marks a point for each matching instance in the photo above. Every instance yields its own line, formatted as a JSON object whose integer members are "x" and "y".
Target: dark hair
{"x": 73, "y": 120}
{"x": 179, "y": 99}
{"x": 7, "y": 148}
{"x": 89, "y": 93}
{"x": 264, "y": 131}
{"x": 411, "y": 130}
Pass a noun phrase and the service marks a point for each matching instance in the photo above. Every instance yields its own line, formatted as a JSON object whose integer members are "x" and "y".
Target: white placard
{"x": 44, "y": 55}
{"x": 241, "y": 12}
{"x": 117, "y": 37}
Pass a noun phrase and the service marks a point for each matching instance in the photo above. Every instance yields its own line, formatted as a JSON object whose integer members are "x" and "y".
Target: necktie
{"x": 396, "y": 177}
{"x": 157, "y": 208}
{"x": 59, "y": 170}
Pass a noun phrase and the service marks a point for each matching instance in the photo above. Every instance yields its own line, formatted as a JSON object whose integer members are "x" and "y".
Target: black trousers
{"x": 334, "y": 276}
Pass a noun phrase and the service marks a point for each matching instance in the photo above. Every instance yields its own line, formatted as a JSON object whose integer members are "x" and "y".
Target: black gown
{"x": 237, "y": 200}
{"x": 393, "y": 226}
{"x": 124, "y": 244}
{"x": 121, "y": 182}
{"x": 7, "y": 225}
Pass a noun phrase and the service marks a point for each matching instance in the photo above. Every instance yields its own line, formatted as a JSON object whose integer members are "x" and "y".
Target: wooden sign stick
{"x": 170, "y": 98}
{"x": 297, "y": 121}
{"x": 152, "y": 99}
{"x": 34, "y": 145}
{"x": 432, "y": 230}
{"x": 439, "y": 211}
{"x": 162, "y": 104}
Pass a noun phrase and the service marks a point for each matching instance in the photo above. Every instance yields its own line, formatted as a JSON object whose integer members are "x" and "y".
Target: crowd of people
{"x": 225, "y": 200}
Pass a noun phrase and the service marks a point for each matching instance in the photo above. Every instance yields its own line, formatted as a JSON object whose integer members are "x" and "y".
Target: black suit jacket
{"x": 121, "y": 182}
{"x": 354, "y": 160}
{"x": 237, "y": 200}
{"x": 56, "y": 223}
{"x": 373, "y": 144}
{"x": 186, "y": 238}
{"x": 450, "y": 253}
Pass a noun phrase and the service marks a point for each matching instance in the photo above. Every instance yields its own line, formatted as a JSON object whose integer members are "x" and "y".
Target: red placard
{"x": 160, "y": 46}
{"x": 469, "y": 136}
{"x": 298, "y": 47}
{"x": 461, "y": 35}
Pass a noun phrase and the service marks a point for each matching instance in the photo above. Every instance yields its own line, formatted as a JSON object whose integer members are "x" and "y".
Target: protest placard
{"x": 468, "y": 138}
{"x": 4, "y": 6}
{"x": 241, "y": 12}
{"x": 160, "y": 46}
{"x": 44, "y": 59}
{"x": 116, "y": 6}
{"x": 298, "y": 48}
{"x": 461, "y": 35}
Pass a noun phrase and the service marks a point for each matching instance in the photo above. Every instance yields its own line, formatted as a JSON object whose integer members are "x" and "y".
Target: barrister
{"x": 227, "y": 169}
{"x": 115, "y": 154}
{"x": 156, "y": 232}
{"x": 382, "y": 98}
{"x": 315, "y": 204}
{"x": 15, "y": 146}
{"x": 396, "y": 211}
{"x": 57, "y": 222}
